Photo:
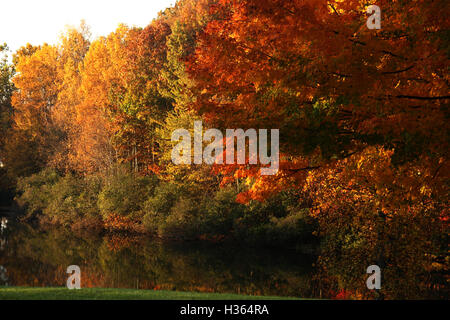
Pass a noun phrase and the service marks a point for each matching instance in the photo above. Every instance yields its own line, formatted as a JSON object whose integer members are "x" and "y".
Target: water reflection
{"x": 36, "y": 257}
{"x": 3, "y": 240}
{"x": 3, "y": 276}
{"x": 3, "y": 224}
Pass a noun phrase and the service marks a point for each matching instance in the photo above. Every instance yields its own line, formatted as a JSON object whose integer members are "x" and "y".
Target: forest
{"x": 363, "y": 116}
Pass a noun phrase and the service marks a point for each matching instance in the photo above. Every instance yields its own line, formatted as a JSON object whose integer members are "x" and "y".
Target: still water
{"x": 30, "y": 256}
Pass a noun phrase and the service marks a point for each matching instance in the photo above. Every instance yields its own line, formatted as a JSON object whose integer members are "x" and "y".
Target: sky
{"x": 39, "y": 21}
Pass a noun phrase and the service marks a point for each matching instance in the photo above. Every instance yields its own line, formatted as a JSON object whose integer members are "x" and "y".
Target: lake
{"x": 33, "y": 256}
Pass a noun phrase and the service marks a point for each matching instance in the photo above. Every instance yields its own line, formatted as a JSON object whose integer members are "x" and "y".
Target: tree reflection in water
{"x": 36, "y": 257}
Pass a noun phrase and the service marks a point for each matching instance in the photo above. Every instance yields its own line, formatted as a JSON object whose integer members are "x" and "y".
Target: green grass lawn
{"x": 25, "y": 293}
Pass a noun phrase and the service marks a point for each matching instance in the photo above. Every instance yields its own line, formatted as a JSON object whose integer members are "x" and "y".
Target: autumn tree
{"x": 33, "y": 139}
{"x": 74, "y": 44}
{"x": 120, "y": 103}
{"x": 362, "y": 114}
{"x": 187, "y": 20}
{"x": 141, "y": 107}
{"x": 302, "y": 67}
{"x": 91, "y": 148}
{"x": 346, "y": 99}
{"x": 373, "y": 212}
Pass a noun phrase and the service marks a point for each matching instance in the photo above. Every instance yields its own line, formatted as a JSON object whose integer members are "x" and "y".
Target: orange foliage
{"x": 119, "y": 223}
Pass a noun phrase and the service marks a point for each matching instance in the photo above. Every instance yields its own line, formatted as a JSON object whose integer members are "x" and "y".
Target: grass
{"x": 29, "y": 293}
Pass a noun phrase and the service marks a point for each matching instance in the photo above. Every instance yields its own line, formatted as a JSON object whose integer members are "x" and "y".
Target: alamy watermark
{"x": 235, "y": 153}
{"x": 74, "y": 281}
{"x": 374, "y": 280}
{"x": 374, "y": 21}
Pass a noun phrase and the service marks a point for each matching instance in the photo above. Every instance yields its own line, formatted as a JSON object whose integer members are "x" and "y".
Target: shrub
{"x": 220, "y": 212}
{"x": 128, "y": 202}
{"x": 63, "y": 205}
{"x": 124, "y": 194}
{"x": 182, "y": 221}
{"x": 296, "y": 227}
{"x": 73, "y": 200}
{"x": 35, "y": 191}
{"x": 278, "y": 220}
{"x": 158, "y": 207}
{"x": 64, "y": 200}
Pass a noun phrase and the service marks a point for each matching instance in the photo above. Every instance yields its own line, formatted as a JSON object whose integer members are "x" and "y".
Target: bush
{"x": 74, "y": 200}
{"x": 64, "y": 200}
{"x": 175, "y": 212}
{"x": 158, "y": 207}
{"x": 220, "y": 213}
{"x": 124, "y": 194}
{"x": 278, "y": 220}
{"x": 182, "y": 221}
{"x": 63, "y": 204}
{"x": 35, "y": 191}
{"x": 296, "y": 228}
{"x": 125, "y": 201}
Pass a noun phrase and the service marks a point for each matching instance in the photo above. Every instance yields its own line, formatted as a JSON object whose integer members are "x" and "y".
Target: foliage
{"x": 362, "y": 114}
{"x": 6, "y": 90}
{"x": 35, "y": 191}
{"x": 123, "y": 194}
{"x": 371, "y": 212}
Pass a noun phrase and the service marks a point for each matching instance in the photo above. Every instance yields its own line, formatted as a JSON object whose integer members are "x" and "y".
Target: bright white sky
{"x": 39, "y": 21}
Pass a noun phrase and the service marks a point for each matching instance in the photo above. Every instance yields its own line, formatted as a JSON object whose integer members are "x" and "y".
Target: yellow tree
{"x": 37, "y": 85}
{"x": 104, "y": 78}
{"x": 73, "y": 47}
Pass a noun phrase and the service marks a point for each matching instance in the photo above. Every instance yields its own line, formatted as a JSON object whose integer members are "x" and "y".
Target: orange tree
{"x": 350, "y": 103}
